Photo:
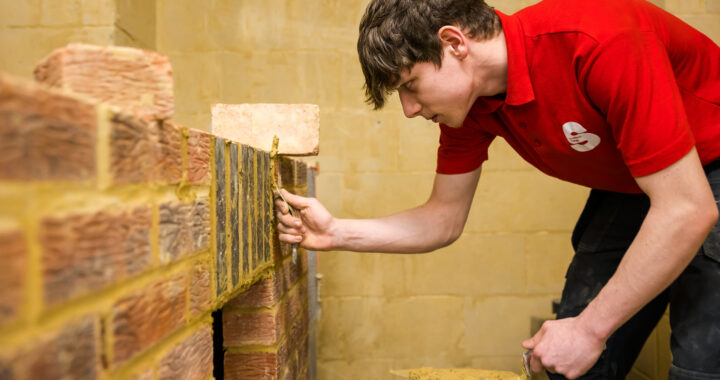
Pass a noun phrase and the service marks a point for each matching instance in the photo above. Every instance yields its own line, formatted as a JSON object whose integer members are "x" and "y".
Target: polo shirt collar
{"x": 519, "y": 86}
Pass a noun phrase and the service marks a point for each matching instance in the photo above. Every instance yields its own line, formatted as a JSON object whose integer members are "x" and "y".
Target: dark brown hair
{"x": 396, "y": 34}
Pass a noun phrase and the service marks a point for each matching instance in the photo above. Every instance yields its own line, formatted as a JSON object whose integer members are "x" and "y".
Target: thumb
{"x": 529, "y": 344}
{"x": 296, "y": 201}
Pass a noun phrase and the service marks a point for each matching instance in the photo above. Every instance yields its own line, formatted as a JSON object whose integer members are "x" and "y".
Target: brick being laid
{"x": 297, "y": 126}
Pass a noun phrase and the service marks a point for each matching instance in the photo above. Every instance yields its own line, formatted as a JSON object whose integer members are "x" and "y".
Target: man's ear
{"x": 453, "y": 39}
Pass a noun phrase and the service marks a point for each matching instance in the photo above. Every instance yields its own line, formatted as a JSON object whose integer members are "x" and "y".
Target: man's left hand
{"x": 564, "y": 346}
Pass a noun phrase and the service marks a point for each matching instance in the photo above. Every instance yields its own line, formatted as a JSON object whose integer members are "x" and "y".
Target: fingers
{"x": 292, "y": 239}
{"x": 281, "y": 206}
{"x": 288, "y": 220}
{"x": 295, "y": 201}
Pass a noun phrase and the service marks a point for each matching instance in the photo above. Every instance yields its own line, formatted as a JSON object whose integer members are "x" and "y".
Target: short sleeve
{"x": 631, "y": 81}
{"x": 462, "y": 149}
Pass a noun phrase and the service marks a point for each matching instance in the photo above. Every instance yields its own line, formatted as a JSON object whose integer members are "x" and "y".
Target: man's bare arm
{"x": 435, "y": 224}
{"x": 682, "y": 212}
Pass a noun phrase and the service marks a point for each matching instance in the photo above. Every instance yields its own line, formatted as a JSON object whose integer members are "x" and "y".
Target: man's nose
{"x": 410, "y": 105}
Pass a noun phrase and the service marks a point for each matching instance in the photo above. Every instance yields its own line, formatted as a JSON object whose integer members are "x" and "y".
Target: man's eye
{"x": 408, "y": 85}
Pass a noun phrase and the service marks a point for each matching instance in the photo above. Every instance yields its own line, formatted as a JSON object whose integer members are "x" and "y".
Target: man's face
{"x": 443, "y": 95}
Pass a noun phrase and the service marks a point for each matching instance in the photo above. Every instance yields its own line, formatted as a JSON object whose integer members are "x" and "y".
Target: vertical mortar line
{"x": 254, "y": 212}
{"x": 233, "y": 224}
{"x": 228, "y": 233}
{"x": 268, "y": 209}
{"x": 245, "y": 211}
{"x": 214, "y": 275}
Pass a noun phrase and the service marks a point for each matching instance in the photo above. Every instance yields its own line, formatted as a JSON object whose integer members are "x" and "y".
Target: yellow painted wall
{"x": 466, "y": 305}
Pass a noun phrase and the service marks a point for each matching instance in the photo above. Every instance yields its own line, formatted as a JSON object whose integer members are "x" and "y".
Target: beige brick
{"x": 193, "y": 95}
{"x": 143, "y": 318}
{"x": 329, "y": 191}
{"x": 664, "y": 357}
{"x": 525, "y": 201}
{"x": 297, "y": 126}
{"x": 98, "y": 12}
{"x": 14, "y": 258}
{"x": 646, "y": 363}
{"x": 705, "y": 23}
{"x": 502, "y": 157}
{"x": 360, "y": 144}
{"x": 548, "y": 256}
{"x": 183, "y": 30}
{"x": 138, "y": 81}
{"x": 85, "y": 252}
{"x": 19, "y": 13}
{"x": 61, "y": 12}
{"x": 418, "y": 145}
{"x": 191, "y": 359}
{"x": 363, "y": 274}
{"x": 46, "y": 135}
{"x": 474, "y": 265}
{"x": 369, "y": 328}
{"x": 136, "y": 23}
{"x": 685, "y": 6}
{"x": 712, "y": 6}
{"x": 380, "y": 194}
{"x": 496, "y": 326}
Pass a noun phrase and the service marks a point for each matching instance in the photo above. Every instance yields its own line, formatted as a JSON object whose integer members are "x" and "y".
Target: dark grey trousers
{"x": 606, "y": 227}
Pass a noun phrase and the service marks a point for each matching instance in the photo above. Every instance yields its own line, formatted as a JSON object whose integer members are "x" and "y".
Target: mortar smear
{"x": 429, "y": 373}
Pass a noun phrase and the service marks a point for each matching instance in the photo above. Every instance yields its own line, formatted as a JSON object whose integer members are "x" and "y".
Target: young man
{"x": 616, "y": 95}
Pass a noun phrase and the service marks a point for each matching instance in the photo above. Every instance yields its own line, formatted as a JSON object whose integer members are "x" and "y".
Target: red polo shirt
{"x": 598, "y": 92}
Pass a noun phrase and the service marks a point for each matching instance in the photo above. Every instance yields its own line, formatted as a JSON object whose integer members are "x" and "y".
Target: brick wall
{"x": 122, "y": 232}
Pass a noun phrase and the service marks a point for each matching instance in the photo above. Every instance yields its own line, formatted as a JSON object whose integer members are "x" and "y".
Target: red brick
{"x": 45, "y": 135}
{"x": 264, "y": 293}
{"x": 256, "y": 365}
{"x": 264, "y": 327}
{"x": 200, "y": 294}
{"x": 13, "y": 255}
{"x": 141, "y": 319}
{"x": 200, "y": 219}
{"x": 83, "y": 253}
{"x": 287, "y": 173}
{"x": 135, "y": 80}
{"x": 300, "y": 180}
{"x": 168, "y": 154}
{"x": 175, "y": 231}
{"x": 297, "y": 126}
{"x": 198, "y": 154}
{"x": 184, "y": 228}
{"x": 71, "y": 353}
{"x": 191, "y": 359}
{"x": 132, "y": 150}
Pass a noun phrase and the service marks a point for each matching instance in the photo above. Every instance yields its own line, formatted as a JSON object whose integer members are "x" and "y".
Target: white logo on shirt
{"x": 580, "y": 139}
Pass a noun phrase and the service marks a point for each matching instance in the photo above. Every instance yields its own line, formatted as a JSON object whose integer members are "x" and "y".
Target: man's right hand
{"x": 312, "y": 225}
